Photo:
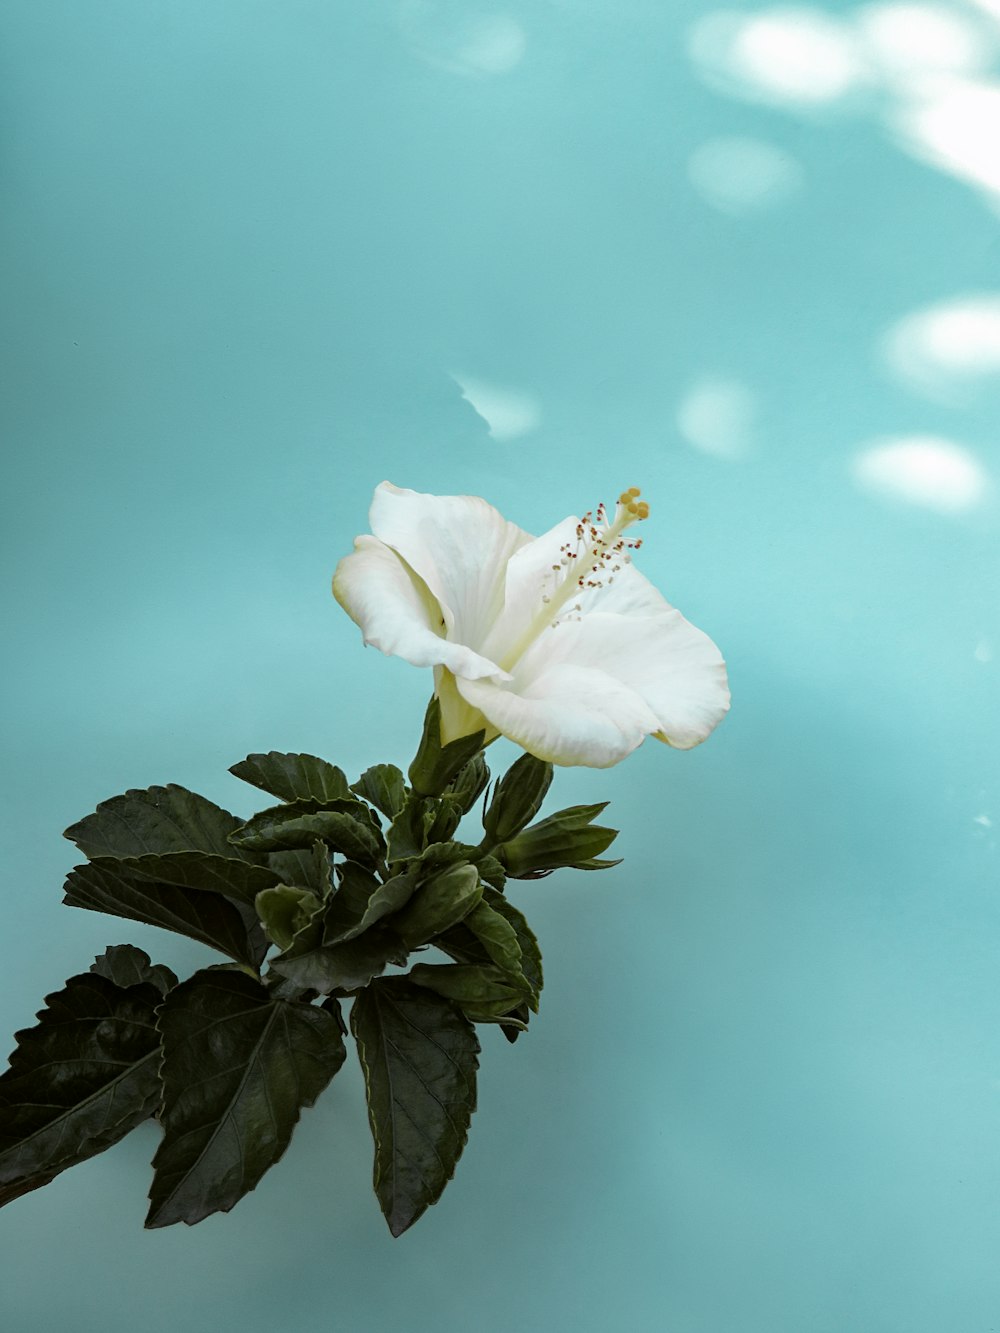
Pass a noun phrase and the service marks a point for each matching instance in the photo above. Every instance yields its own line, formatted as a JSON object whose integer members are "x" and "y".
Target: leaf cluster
{"x": 309, "y": 902}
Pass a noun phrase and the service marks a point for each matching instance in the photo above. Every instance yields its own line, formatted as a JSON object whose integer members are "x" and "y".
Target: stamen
{"x": 601, "y": 551}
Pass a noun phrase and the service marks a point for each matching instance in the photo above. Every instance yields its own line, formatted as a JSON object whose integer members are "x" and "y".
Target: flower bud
{"x": 484, "y": 994}
{"x": 518, "y": 798}
{"x": 565, "y": 839}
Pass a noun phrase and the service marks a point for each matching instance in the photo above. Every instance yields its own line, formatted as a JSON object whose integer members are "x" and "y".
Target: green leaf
{"x": 343, "y": 966}
{"x": 384, "y": 899}
{"x": 158, "y": 819}
{"x": 310, "y": 868}
{"x": 517, "y": 799}
{"x": 469, "y": 783}
{"x": 238, "y": 1067}
{"x": 436, "y": 765}
{"x": 531, "y": 954}
{"x": 384, "y": 787}
{"x": 79, "y": 1081}
{"x": 103, "y": 886}
{"x": 288, "y": 913}
{"x": 490, "y": 869}
{"x": 407, "y": 835}
{"x": 515, "y": 1022}
{"x": 497, "y": 936}
{"x": 294, "y": 777}
{"x": 465, "y": 947}
{"x": 420, "y": 1058}
{"x": 438, "y": 904}
{"x": 440, "y": 855}
{"x": 355, "y": 886}
{"x": 346, "y": 826}
{"x": 125, "y": 965}
{"x": 228, "y": 875}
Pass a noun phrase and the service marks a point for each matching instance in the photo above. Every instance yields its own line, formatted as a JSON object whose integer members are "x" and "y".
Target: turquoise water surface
{"x": 262, "y": 254}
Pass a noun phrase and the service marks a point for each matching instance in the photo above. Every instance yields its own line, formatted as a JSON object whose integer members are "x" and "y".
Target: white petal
{"x": 589, "y": 690}
{"x": 567, "y": 714}
{"x": 673, "y": 666}
{"x": 459, "y": 545}
{"x": 396, "y": 612}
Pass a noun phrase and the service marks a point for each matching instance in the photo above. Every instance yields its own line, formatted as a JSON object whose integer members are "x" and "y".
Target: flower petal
{"x": 396, "y": 612}
{"x": 458, "y": 544}
{"x": 670, "y": 663}
{"x": 566, "y": 714}
{"x": 589, "y": 690}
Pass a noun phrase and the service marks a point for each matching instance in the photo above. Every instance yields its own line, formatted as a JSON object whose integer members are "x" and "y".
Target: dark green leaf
{"x": 497, "y": 936}
{"x": 294, "y": 777}
{"x": 384, "y": 898}
{"x": 309, "y": 868}
{"x": 238, "y": 1067}
{"x": 126, "y": 965}
{"x": 515, "y": 1022}
{"x": 228, "y": 875}
{"x": 384, "y": 787}
{"x": 287, "y": 913}
{"x": 79, "y": 1081}
{"x": 158, "y": 819}
{"x": 440, "y": 855}
{"x": 436, "y": 765}
{"x": 347, "y": 827}
{"x": 468, "y": 784}
{"x": 517, "y": 799}
{"x": 407, "y": 835}
{"x": 332, "y": 1006}
{"x": 490, "y": 869}
{"x": 420, "y": 1058}
{"x": 439, "y": 903}
{"x": 355, "y": 886}
{"x": 343, "y": 966}
{"x": 103, "y": 886}
{"x": 462, "y": 945}
{"x": 531, "y": 954}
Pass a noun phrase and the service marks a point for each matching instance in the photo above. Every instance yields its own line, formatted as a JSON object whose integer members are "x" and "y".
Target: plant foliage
{"x": 308, "y": 902}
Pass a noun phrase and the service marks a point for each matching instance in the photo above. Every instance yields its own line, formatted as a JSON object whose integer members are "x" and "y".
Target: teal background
{"x": 247, "y": 248}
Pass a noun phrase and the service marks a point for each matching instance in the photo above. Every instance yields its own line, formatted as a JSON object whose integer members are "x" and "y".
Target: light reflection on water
{"x": 261, "y": 258}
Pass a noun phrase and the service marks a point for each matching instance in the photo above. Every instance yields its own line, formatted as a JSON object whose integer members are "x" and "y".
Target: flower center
{"x": 598, "y": 554}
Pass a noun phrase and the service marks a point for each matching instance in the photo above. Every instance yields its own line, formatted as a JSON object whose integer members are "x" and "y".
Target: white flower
{"x": 556, "y": 641}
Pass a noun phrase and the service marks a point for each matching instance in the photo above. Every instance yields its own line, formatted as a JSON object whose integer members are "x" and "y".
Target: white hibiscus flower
{"x": 557, "y": 642}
